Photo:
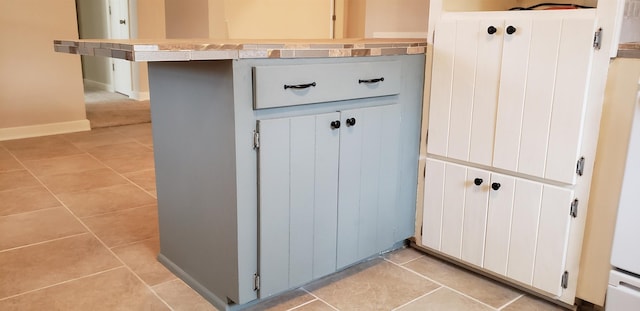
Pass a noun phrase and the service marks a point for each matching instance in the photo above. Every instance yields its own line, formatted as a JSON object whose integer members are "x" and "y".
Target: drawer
{"x": 289, "y": 85}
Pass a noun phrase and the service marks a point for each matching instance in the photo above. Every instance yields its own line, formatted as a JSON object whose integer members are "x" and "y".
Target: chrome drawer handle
{"x": 300, "y": 86}
{"x": 372, "y": 80}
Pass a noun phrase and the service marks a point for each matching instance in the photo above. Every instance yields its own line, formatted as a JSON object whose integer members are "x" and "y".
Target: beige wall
{"x": 150, "y": 24}
{"x": 286, "y": 19}
{"x": 38, "y": 85}
{"x": 396, "y": 16}
{"x": 92, "y": 24}
{"x": 615, "y": 125}
{"x": 355, "y": 11}
{"x": 187, "y": 19}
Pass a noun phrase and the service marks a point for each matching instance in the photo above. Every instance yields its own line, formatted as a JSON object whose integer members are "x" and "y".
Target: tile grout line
{"x": 61, "y": 283}
{"x": 417, "y": 298}
{"x": 510, "y": 302}
{"x": 42, "y": 242}
{"x": 320, "y": 299}
{"x": 302, "y": 304}
{"x": 93, "y": 233}
{"x": 33, "y": 211}
{"x": 452, "y": 289}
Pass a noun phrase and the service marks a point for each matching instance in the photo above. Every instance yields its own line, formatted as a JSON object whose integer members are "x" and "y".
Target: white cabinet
{"x": 510, "y": 132}
{"x": 510, "y": 93}
{"x": 327, "y": 192}
{"x": 507, "y": 225}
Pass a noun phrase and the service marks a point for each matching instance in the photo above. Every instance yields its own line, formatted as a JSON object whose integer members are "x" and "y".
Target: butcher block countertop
{"x": 210, "y": 49}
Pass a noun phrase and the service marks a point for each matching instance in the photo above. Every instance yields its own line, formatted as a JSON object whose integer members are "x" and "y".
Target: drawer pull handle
{"x": 491, "y": 30}
{"x": 299, "y": 86}
{"x": 495, "y": 186}
{"x": 335, "y": 124}
{"x": 478, "y": 181}
{"x": 511, "y": 30}
{"x": 372, "y": 80}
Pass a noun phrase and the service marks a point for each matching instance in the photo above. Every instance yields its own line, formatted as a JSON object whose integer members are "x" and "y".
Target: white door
{"x": 119, "y": 29}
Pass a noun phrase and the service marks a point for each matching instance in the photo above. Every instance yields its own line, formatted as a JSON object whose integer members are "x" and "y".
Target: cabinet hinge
{"x": 256, "y": 282}
{"x": 574, "y": 208}
{"x": 597, "y": 39}
{"x": 580, "y": 166}
{"x": 421, "y": 230}
{"x": 565, "y": 280}
{"x": 256, "y": 140}
{"x": 424, "y": 172}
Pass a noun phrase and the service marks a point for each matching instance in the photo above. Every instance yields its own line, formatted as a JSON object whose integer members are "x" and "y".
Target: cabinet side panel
{"x": 462, "y": 97}
{"x": 553, "y": 235}
{"x": 302, "y": 192}
{"x": 274, "y": 205}
{"x": 194, "y": 149}
{"x": 388, "y": 183}
{"x": 486, "y": 92}
{"x": 543, "y": 59}
{"x": 524, "y": 230}
{"x": 433, "y": 204}
{"x": 441, "y": 83}
{"x": 325, "y": 214}
{"x": 513, "y": 78}
{"x": 567, "y": 118}
{"x": 499, "y": 224}
{"x": 475, "y": 216}
{"x": 453, "y": 209}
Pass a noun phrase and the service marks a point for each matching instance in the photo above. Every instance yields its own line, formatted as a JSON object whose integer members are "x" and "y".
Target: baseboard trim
{"x": 139, "y": 95}
{"x": 44, "y": 129}
{"x": 98, "y": 85}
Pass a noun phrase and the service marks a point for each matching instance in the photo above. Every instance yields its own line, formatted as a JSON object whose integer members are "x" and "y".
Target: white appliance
{"x": 624, "y": 280}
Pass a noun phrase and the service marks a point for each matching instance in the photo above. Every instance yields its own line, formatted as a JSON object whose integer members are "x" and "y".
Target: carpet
{"x": 116, "y": 113}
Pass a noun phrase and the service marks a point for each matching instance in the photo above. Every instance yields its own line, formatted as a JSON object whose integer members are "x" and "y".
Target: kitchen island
{"x": 278, "y": 163}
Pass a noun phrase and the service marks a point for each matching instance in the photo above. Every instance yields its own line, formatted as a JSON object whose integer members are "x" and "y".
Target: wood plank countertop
{"x": 203, "y": 49}
{"x": 629, "y": 50}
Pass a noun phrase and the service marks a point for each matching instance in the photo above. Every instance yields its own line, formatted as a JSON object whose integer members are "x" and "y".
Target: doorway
{"x": 105, "y": 78}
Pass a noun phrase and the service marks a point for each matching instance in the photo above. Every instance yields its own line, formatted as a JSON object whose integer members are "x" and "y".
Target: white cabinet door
{"x": 501, "y": 195}
{"x": 367, "y": 181}
{"x": 475, "y": 215}
{"x": 553, "y": 239}
{"x": 298, "y": 197}
{"x": 508, "y": 225}
{"x": 464, "y": 92}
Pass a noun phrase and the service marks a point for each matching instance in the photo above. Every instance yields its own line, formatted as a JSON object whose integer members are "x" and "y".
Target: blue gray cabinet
{"x": 327, "y": 192}
{"x": 257, "y": 193}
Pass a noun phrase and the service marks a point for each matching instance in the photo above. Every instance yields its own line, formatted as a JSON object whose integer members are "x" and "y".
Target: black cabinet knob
{"x": 495, "y": 186}
{"x": 351, "y": 121}
{"x": 478, "y": 181}
{"x": 491, "y": 30}
{"x": 335, "y": 124}
{"x": 511, "y": 30}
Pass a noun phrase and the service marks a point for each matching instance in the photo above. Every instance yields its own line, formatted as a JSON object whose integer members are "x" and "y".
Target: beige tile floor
{"x": 78, "y": 231}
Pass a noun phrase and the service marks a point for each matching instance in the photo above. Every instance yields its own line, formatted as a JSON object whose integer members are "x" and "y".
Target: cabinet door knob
{"x": 335, "y": 124}
{"x": 351, "y": 121}
{"x": 491, "y": 30}
{"x": 495, "y": 186}
{"x": 511, "y": 30}
{"x": 478, "y": 181}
